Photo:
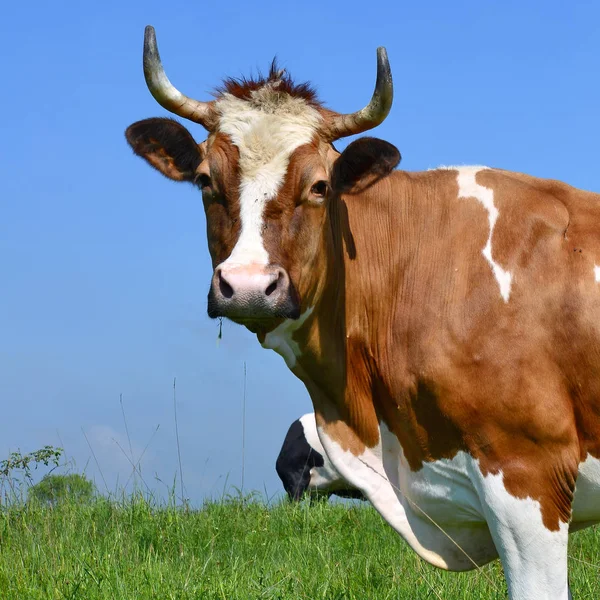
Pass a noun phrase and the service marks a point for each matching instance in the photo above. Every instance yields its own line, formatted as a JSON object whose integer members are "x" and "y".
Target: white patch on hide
{"x": 469, "y": 188}
{"x": 453, "y": 516}
{"x": 281, "y": 339}
{"x": 435, "y": 509}
{"x": 586, "y": 504}
{"x": 534, "y": 558}
{"x": 324, "y": 478}
{"x": 457, "y": 167}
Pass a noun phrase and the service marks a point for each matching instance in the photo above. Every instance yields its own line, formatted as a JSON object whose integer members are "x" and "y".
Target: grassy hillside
{"x": 235, "y": 550}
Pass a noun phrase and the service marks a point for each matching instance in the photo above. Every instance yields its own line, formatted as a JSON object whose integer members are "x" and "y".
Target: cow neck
{"x": 320, "y": 365}
{"x": 353, "y": 379}
{"x": 339, "y": 389}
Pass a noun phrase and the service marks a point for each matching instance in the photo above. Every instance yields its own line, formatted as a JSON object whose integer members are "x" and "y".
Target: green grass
{"x": 235, "y": 550}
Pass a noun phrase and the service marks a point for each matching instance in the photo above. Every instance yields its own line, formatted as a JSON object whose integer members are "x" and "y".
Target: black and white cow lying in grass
{"x": 303, "y": 466}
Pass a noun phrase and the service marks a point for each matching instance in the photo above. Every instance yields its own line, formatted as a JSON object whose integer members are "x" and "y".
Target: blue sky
{"x": 104, "y": 265}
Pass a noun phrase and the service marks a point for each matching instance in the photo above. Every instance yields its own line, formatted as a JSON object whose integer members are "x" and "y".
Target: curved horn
{"x": 374, "y": 113}
{"x": 165, "y": 93}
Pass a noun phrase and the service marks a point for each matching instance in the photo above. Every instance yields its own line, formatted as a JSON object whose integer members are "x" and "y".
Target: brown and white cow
{"x": 446, "y": 323}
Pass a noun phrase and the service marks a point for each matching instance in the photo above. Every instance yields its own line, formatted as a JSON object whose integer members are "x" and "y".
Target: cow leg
{"x": 535, "y": 563}
{"x": 534, "y": 557}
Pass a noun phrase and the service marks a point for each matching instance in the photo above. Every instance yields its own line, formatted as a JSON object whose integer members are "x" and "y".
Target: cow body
{"x": 303, "y": 465}
{"x": 482, "y": 363}
{"x": 446, "y": 324}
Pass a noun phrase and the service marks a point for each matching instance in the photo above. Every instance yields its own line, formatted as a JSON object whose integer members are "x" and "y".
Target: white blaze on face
{"x": 469, "y": 188}
{"x": 266, "y": 129}
{"x": 597, "y": 273}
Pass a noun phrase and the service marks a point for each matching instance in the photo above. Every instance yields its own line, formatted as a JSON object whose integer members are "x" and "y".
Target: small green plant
{"x": 16, "y": 469}
{"x": 21, "y": 462}
{"x": 53, "y": 489}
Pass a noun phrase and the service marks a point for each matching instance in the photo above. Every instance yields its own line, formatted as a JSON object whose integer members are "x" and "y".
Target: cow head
{"x": 267, "y": 172}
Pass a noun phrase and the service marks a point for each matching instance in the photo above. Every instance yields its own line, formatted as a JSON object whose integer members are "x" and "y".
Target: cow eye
{"x": 319, "y": 188}
{"x": 203, "y": 181}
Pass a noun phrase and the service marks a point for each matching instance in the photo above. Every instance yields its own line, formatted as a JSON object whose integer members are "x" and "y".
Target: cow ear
{"x": 363, "y": 163}
{"x": 167, "y": 146}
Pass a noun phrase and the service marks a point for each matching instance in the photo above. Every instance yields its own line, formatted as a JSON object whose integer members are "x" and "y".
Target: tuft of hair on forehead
{"x": 277, "y": 80}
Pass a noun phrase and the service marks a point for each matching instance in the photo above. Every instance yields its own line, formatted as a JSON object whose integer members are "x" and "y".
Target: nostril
{"x": 224, "y": 287}
{"x": 273, "y": 285}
